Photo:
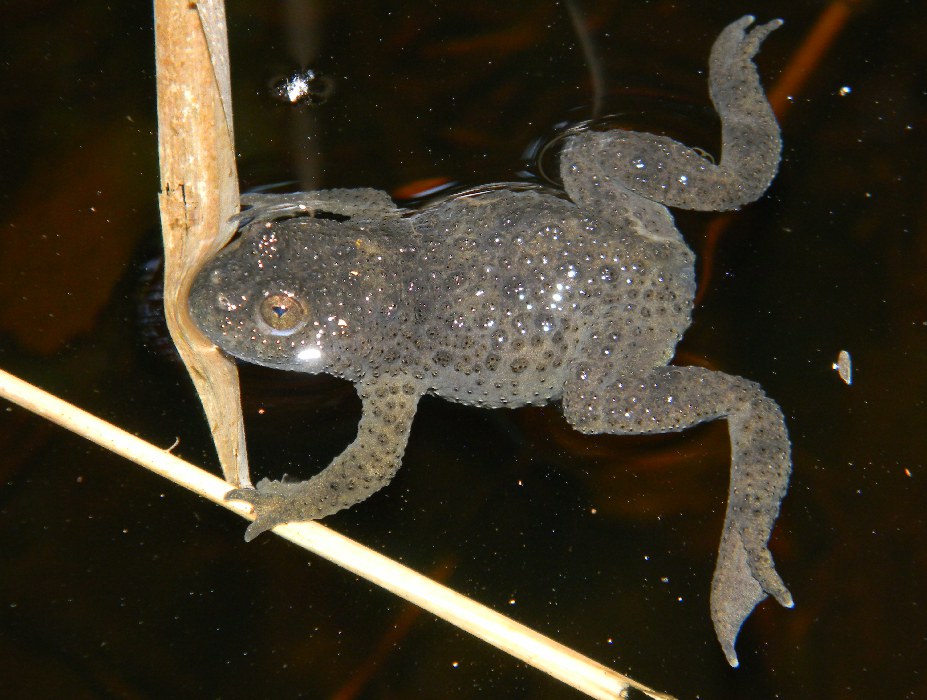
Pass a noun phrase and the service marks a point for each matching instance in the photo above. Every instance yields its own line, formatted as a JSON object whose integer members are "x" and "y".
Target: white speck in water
{"x": 844, "y": 367}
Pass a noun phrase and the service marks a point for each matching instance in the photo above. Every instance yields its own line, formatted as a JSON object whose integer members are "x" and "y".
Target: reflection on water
{"x": 608, "y": 543}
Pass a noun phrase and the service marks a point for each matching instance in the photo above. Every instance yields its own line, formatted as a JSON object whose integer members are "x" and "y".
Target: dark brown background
{"x": 114, "y": 583}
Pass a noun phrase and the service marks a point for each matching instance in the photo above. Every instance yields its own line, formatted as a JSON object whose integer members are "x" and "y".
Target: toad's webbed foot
{"x": 274, "y": 502}
{"x": 733, "y": 51}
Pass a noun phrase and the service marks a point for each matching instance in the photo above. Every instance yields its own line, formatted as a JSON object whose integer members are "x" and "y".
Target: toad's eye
{"x": 282, "y": 314}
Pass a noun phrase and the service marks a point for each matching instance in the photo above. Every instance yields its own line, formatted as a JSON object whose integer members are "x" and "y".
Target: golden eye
{"x": 282, "y": 313}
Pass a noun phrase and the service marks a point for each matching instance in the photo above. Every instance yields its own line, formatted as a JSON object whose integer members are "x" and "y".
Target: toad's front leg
{"x": 365, "y": 467}
{"x": 357, "y": 203}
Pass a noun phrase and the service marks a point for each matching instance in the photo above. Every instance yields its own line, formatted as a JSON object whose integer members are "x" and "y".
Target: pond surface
{"x": 119, "y": 584}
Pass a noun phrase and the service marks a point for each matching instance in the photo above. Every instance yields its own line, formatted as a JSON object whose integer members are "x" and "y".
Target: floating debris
{"x": 844, "y": 367}
{"x": 303, "y": 87}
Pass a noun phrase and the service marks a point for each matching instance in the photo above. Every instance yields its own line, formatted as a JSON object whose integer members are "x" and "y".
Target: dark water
{"x": 114, "y": 583}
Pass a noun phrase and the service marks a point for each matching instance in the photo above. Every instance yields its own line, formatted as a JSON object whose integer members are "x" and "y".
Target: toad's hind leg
{"x": 595, "y": 164}
{"x": 673, "y": 398}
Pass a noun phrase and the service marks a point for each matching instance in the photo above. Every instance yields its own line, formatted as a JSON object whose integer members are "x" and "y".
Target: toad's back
{"x": 507, "y": 288}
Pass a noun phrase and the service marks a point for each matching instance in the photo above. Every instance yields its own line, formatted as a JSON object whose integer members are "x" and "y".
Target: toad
{"x": 507, "y": 296}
